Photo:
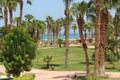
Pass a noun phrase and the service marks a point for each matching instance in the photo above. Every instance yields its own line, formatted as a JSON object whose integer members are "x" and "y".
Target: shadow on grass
{"x": 109, "y": 68}
{"x": 55, "y": 65}
{"x": 91, "y": 63}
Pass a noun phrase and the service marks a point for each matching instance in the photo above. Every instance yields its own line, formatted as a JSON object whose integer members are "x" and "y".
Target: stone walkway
{"x": 59, "y": 75}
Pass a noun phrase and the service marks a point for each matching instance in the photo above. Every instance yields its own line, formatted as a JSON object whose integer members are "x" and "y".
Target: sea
{"x": 62, "y": 36}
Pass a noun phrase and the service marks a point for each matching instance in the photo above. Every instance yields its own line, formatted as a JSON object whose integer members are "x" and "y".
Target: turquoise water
{"x": 62, "y": 36}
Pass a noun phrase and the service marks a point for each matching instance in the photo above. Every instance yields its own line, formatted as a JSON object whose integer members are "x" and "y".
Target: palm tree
{"x": 78, "y": 10}
{"x": 49, "y": 21}
{"x": 66, "y": 12}
{"x": 116, "y": 20}
{"x": 17, "y": 20}
{"x": 59, "y": 24}
{"x": 28, "y": 17}
{"x": 4, "y": 3}
{"x": 97, "y": 40}
{"x": 74, "y": 28}
{"x": 21, "y": 9}
{"x": 40, "y": 28}
{"x": 106, "y": 5}
{"x": 12, "y": 4}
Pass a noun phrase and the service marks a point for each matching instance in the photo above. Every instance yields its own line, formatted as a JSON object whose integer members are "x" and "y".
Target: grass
{"x": 1, "y": 74}
{"x": 76, "y": 59}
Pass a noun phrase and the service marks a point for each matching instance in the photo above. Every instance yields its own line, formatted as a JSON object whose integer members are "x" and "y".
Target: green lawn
{"x": 76, "y": 59}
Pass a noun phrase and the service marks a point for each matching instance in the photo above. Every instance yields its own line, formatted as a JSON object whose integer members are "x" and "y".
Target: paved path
{"x": 59, "y": 75}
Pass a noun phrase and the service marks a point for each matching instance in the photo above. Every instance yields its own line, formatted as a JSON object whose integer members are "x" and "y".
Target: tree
{"x": 18, "y": 51}
{"x": 47, "y": 59}
{"x": 21, "y": 9}
{"x": 49, "y": 21}
{"x": 66, "y": 12}
{"x": 78, "y": 10}
{"x": 4, "y": 3}
{"x": 12, "y": 4}
{"x": 17, "y": 20}
{"x": 106, "y": 5}
{"x": 97, "y": 39}
{"x": 40, "y": 29}
{"x": 112, "y": 51}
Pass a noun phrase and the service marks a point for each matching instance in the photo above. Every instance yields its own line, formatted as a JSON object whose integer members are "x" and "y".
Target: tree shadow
{"x": 80, "y": 76}
{"x": 51, "y": 65}
{"x": 91, "y": 63}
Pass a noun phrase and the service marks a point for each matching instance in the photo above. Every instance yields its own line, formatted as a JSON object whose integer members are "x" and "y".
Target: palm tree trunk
{"x": 97, "y": 39}
{"x": 103, "y": 41}
{"x": 21, "y": 12}
{"x": 57, "y": 35}
{"x": 33, "y": 33}
{"x": 49, "y": 36}
{"x": 80, "y": 24}
{"x": 11, "y": 20}
{"x": 38, "y": 37}
{"x": 66, "y": 40}
{"x": 6, "y": 19}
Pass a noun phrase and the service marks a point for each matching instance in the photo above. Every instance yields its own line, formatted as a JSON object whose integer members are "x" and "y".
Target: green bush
{"x": 60, "y": 42}
{"x": 47, "y": 59}
{"x": 25, "y": 77}
{"x": 18, "y": 50}
{"x": 92, "y": 77}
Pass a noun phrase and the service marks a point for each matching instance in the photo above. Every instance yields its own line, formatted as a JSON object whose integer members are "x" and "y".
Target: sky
{"x": 42, "y": 8}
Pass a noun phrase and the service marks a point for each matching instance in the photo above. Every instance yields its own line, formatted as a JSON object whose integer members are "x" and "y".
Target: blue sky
{"x": 42, "y": 8}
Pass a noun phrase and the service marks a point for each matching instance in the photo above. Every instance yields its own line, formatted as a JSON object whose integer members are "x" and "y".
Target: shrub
{"x": 18, "y": 50}
{"x": 92, "y": 77}
{"x": 25, "y": 77}
{"x": 47, "y": 59}
{"x": 60, "y": 42}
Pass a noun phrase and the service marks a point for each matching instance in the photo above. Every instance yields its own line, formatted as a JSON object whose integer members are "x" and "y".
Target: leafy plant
{"x": 18, "y": 50}
{"x": 47, "y": 59}
{"x": 112, "y": 51}
{"x": 60, "y": 42}
{"x": 25, "y": 77}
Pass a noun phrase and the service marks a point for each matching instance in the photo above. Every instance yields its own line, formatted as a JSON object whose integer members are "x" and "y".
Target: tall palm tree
{"x": 106, "y": 5}
{"x": 21, "y": 9}
{"x": 12, "y": 4}
{"x": 97, "y": 39}
{"x": 39, "y": 28}
{"x": 4, "y": 4}
{"x": 78, "y": 10}
{"x": 43, "y": 30}
{"x": 49, "y": 21}
{"x": 116, "y": 20}
{"x": 66, "y": 12}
